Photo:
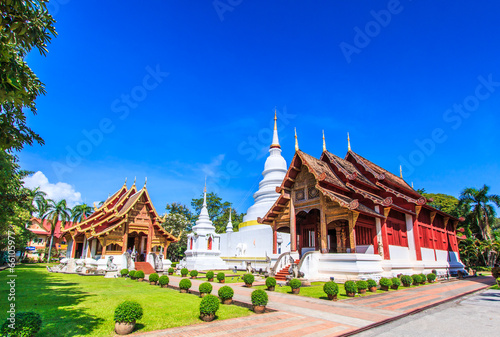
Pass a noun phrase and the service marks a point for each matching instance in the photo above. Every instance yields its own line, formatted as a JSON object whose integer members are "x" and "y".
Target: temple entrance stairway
{"x": 145, "y": 267}
{"x": 283, "y": 273}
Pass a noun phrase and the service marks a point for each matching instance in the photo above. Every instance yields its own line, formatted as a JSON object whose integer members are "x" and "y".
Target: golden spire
{"x": 324, "y": 144}
{"x": 145, "y": 181}
{"x": 296, "y": 141}
{"x": 275, "y": 119}
{"x": 205, "y": 189}
{"x": 348, "y": 142}
{"x": 125, "y": 183}
{"x": 401, "y": 171}
{"x": 134, "y": 180}
{"x": 412, "y": 184}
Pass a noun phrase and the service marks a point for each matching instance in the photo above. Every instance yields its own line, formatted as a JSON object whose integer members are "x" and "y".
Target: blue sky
{"x": 175, "y": 90}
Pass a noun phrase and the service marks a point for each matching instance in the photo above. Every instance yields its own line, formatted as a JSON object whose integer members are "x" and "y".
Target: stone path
{"x": 303, "y": 316}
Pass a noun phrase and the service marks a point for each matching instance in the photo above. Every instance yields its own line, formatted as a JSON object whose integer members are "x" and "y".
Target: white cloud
{"x": 212, "y": 168}
{"x": 57, "y": 191}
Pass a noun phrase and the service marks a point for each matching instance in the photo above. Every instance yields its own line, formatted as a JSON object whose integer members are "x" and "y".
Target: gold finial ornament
{"x": 135, "y": 178}
{"x": 324, "y": 144}
{"x": 412, "y": 184}
{"x": 145, "y": 181}
{"x": 348, "y": 142}
{"x": 205, "y": 189}
{"x": 275, "y": 119}
{"x": 296, "y": 141}
{"x": 125, "y": 183}
{"x": 95, "y": 208}
{"x": 401, "y": 171}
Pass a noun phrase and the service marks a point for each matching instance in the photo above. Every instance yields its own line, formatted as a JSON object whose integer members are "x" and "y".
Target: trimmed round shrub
{"x": 371, "y": 283}
{"x": 131, "y": 274}
{"x": 226, "y": 293}
{"x": 362, "y": 285}
{"x": 406, "y": 280}
{"x": 139, "y": 274}
{"x": 27, "y": 324}
{"x": 154, "y": 277}
{"x": 185, "y": 284}
{"x": 171, "y": 270}
{"x": 295, "y": 283}
{"x": 163, "y": 280}
{"x": 416, "y": 279}
{"x": 221, "y": 276}
{"x": 248, "y": 278}
{"x": 431, "y": 277}
{"x": 331, "y": 288}
{"x": 124, "y": 272}
{"x": 350, "y": 287}
{"x": 193, "y": 273}
{"x": 259, "y": 297}
{"x": 184, "y": 272}
{"x": 205, "y": 288}
{"x": 209, "y": 305}
{"x": 128, "y": 312}
{"x": 210, "y": 275}
{"x": 385, "y": 282}
{"x": 396, "y": 281}
{"x": 423, "y": 278}
{"x": 270, "y": 282}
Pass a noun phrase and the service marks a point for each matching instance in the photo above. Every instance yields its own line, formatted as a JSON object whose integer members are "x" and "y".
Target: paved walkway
{"x": 304, "y": 316}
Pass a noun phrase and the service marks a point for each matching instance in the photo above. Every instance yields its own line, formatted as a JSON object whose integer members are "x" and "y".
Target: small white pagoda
{"x": 203, "y": 244}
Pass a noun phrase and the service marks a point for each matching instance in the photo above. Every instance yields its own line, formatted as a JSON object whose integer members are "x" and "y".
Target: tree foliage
{"x": 444, "y": 202}
{"x": 480, "y": 213}
{"x": 178, "y": 221}
{"x": 218, "y": 211}
{"x": 57, "y": 211}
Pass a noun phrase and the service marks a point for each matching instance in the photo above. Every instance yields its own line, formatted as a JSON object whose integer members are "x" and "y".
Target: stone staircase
{"x": 145, "y": 267}
{"x": 283, "y": 273}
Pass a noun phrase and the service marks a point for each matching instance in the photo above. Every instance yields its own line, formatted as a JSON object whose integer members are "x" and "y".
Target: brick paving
{"x": 292, "y": 316}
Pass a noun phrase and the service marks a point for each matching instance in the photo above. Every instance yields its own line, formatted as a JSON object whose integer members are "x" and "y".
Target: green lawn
{"x": 231, "y": 277}
{"x": 74, "y": 305}
{"x": 316, "y": 291}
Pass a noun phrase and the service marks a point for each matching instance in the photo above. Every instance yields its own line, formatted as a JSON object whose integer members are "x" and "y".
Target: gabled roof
{"x": 321, "y": 170}
{"x": 46, "y": 227}
{"x": 348, "y": 169}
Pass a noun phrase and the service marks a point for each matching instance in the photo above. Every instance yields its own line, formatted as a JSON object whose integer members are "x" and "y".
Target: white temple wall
{"x": 442, "y": 255}
{"x": 427, "y": 254}
{"x": 399, "y": 253}
{"x": 411, "y": 237}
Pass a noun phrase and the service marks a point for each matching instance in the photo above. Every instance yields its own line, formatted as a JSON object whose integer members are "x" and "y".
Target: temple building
{"x": 254, "y": 241}
{"x": 127, "y": 220}
{"x": 350, "y": 218}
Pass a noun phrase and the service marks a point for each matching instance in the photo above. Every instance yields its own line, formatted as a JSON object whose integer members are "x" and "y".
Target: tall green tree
{"x": 218, "y": 211}
{"x": 444, "y": 202}
{"x": 58, "y": 211}
{"x": 24, "y": 25}
{"x": 478, "y": 205}
{"x": 178, "y": 225}
{"x": 81, "y": 212}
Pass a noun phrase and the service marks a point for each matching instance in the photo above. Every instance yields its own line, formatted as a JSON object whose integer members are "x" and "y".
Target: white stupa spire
{"x": 274, "y": 171}
{"x": 204, "y": 218}
{"x": 229, "y": 227}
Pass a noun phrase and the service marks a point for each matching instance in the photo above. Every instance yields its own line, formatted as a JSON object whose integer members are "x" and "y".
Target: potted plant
{"x": 210, "y": 276}
{"x": 270, "y": 283}
{"x": 423, "y": 278}
{"x": 132, "y": 274}
{"x": 226, "y": 294}
{"x": 171, "y": 271}
{"x": 372, "y": 285}
{"x": 248, "y": 279}
{"x": 208, "y": 307}
{"x": 184, "y": 272}
{"x": 295, "y": 285}
{"x": 331, "y": 289}
{"x": 431, "y": 277}
{"x": 416, "y": 279}
{"x": 259, "y": 301}
{"x": 126, "y": 314}
{"x": 193, "y": 274}
{"x": 362, "y": 286}
{"x": 221, "y": 277}
{"x": 350, "y": 288}
{"x": 139, "y": 275}
{"x": 205, "y": 288}
{"x": 396, "y": 282}
{"x": 406, "y": 280}
{"x": 26, "y": 324}
{"x": 124, "y": 272}
{"x": 163, "y": 281}
{"x": 153, "y": 278}
{"x": 385, "y": 283}
{"x": 184, "y": 285}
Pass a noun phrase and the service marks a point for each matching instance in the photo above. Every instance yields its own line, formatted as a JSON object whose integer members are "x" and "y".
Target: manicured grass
{"x": 316, "y": 291}
{"x": 495, "y": 287}
{"x": 74, "y": 305}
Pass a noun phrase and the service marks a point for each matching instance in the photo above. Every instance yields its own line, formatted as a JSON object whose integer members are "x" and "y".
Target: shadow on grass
{"x": 54, "y": 299}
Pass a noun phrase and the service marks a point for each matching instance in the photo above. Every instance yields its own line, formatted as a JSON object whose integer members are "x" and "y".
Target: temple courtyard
{"x": 75, "y": 305}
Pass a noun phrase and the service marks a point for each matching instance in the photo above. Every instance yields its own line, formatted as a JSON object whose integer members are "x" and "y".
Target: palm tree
{"x": 81, "y": 212}
{"x": 39, "y": 202}
{"x": 480, "y": 211}
{"x": 56, "y": 212}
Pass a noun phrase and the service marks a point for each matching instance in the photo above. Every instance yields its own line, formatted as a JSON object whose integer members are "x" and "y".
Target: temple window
{"x": 209, "y": 245}
{"x": 312, "y": 192}
{"x": 364, "y": 235}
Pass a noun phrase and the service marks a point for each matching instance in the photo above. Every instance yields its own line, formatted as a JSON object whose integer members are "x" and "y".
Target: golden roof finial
{"x": 125, "y": 183}
{"x": 95, "y": 208}
{"x": 205, "y": 189}
{"x": 275, "y": 119}
{"x": 145, "y": 181}
{"x": 135, "y": 178}
{"x": 296, "y": 141}
{"x": 348, "y": 142}
{"x": 412, "y": 184}
{"x": 401, "y": 171}
{"x": 324, "y": 144}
